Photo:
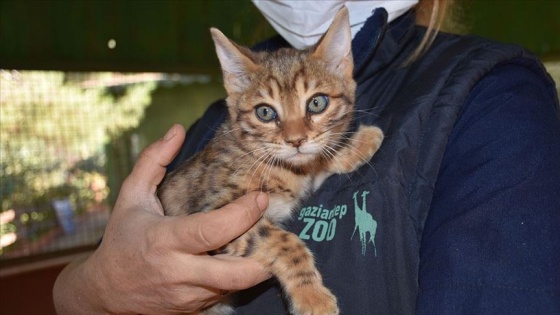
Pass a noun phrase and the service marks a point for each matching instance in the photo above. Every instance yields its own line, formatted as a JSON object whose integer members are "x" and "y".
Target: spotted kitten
{"x": 287, "y": 131}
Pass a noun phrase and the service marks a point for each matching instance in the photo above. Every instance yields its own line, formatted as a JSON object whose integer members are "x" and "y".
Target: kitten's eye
{"x": 317, "y": 104}
{"x": 265, "y": 113}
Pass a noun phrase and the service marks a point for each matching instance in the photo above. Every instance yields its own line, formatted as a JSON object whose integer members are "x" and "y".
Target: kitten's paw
{"x": 361, "y": 148}
{"x": 367, "y": 140}
{"x": 314, "y": 301}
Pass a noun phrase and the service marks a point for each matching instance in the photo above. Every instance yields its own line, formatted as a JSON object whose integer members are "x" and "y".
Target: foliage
{"x": 53, "y": 130}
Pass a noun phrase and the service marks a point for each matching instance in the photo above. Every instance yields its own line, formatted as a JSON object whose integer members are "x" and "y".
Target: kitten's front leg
{"x": 362, "y": 146}
{"x": 287, "y": 257}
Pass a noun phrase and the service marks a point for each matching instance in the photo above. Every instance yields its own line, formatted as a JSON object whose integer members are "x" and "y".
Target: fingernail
{"x": 170, "y": 134}
{"x": 262, "y": 201}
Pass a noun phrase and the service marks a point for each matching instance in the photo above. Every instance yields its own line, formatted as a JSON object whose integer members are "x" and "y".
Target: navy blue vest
{"x": 365, "y": 228}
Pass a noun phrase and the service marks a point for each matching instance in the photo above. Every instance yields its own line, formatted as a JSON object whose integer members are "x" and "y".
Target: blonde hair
{"x": 435, "y": 15}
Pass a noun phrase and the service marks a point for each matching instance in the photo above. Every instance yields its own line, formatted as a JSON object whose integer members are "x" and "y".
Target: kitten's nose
{"x": 296, "y": 142}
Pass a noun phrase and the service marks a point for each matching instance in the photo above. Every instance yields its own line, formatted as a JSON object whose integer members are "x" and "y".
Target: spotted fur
{"x": 287, "y": 157}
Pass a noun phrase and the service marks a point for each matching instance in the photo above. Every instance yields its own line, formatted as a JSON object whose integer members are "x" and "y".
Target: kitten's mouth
{"x": 300, "y": 158}
{"x": 300, "y": 155}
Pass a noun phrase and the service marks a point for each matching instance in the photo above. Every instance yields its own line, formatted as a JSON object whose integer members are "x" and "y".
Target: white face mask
{"x": 302, "y": 22}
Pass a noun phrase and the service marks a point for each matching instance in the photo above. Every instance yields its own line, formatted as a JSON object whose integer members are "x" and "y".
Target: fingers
{"x": 150, "y": 166}
{"x": 202, "y": 232}
{"x": 227, "y": 272}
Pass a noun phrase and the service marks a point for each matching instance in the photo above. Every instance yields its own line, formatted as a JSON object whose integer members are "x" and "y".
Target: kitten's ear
{"x": 235, "y": 61}
{"x": 335, "y": 46}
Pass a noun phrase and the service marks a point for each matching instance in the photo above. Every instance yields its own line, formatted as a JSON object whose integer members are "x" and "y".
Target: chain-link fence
{"x": 64, "y": 139}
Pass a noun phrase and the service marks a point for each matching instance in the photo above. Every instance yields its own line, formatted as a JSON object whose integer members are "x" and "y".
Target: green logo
{"x": 320, "y": 223}
{"x": 364, "y": 223}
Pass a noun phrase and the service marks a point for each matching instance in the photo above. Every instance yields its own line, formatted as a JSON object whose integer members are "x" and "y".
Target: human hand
{"x": 148, "y": 263}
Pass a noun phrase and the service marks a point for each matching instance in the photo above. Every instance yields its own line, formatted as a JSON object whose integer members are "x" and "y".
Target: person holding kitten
{"x": 456, "y": 213}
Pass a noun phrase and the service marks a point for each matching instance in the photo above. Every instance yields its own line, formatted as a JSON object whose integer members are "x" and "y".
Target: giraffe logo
{"x": 364, "y": 223}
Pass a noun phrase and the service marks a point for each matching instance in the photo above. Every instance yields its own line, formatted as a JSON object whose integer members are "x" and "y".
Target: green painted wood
{"x": 535, "y": 24}
{"x": 172, "y": 35}
{"x": 149, "y": 35}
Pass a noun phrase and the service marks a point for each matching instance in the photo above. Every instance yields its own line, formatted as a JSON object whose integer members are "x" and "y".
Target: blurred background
{"x": 86, "y": 85}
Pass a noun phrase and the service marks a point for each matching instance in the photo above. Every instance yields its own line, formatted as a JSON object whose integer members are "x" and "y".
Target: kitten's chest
{"x": 285, "y": 197}
{"x": 280, "y": 207}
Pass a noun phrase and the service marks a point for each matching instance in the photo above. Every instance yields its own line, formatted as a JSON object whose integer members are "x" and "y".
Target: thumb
{"x": 150, "y": 167}
{"x": 202, "y": 232}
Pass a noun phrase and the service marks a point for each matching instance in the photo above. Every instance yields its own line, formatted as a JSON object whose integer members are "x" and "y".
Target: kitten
{"x": 287, "y": 131}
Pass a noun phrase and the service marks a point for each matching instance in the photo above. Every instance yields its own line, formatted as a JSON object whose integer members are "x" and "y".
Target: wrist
{"x": 74, "y": 291}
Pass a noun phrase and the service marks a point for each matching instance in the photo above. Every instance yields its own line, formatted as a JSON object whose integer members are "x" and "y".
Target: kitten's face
{"x": 291, "y": 106}
{"x": 294, "y": 109}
